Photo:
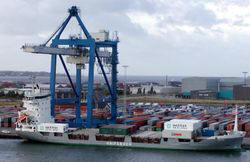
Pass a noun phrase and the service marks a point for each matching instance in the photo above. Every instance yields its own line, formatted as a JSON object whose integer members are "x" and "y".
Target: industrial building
{"x": 241, "y": 92}
{"x": 203, "y": 94}
{"x": 171, "y": 91}
{"x": 199, "y": 83}
{"x": 226, "y": 87}
{"x": 222, "y": 87}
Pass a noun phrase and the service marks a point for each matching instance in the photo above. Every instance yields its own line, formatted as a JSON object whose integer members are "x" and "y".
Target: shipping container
{"x": 53, "y": 127}
{"x": 247, "y": 127}
{"x": 160, "y": 124}
{"x": 247, "y": 134}
{"x": 13, "y": 125}
{"x": 223, "y": 126}
{"x": 182, "y": 124}
{"x": 145, "y": 128}
{"x": 152, "y": 122}
{"x": 204, "y": 123}
{"x": 117, "y": 129}
{"x": 230, "y": 126}
{"x": 6, "y": 125}
{"x": 13, "y": 120}
{"x": 181, "y": 134}
{"x": 106, "y": 130}
{"x": 158, "y": 129}
{"x": 214, "y": 126}
{"x": 207, "y": 132}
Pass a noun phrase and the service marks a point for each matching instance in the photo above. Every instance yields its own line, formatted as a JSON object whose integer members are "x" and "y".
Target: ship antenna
{"x": 236, "y": 119}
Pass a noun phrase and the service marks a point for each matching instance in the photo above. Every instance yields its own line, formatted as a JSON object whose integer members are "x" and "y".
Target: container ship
{"x": 35, "y": 123}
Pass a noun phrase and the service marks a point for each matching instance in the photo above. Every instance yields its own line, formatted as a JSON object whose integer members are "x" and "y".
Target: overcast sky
{"x": 158, "y": 37}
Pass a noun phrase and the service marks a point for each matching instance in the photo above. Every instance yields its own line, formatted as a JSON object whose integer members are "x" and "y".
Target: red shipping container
{"x": 13, "y": 125}
{"x": 6, "y": 125}
{"x": 160, "y": 124}
{"x": 230, "y": 127}
{"x": 247, "y": 134}
{"x": 247, "y": 127}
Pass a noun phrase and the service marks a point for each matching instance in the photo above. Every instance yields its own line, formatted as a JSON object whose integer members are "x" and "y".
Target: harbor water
{"x": 20, "y": 150}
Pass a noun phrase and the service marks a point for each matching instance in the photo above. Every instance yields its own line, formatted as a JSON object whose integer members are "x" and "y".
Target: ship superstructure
{"x": 37, "y": 104}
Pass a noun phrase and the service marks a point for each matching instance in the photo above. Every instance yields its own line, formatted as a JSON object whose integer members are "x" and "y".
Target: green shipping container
{"x": 158, "y": 129}
{"x": 105, "y": 131}
{"x": 120, "y": 131}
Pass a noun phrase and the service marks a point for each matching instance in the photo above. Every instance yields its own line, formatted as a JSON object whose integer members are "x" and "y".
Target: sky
{"x": 157, "y": 37}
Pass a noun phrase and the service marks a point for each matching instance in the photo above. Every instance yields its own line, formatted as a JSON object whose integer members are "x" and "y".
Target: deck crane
{"x": 81, "y": 51}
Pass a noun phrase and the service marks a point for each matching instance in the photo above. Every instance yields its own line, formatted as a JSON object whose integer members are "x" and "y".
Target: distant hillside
{"x": 26, "y": 73}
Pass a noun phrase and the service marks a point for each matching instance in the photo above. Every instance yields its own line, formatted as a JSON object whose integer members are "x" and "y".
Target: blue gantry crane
{"x": 84, "y": 50}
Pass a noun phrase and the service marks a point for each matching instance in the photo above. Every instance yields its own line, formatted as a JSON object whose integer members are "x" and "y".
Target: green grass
{"x": 155, "y": 99}
{"x": 10, "y": 103}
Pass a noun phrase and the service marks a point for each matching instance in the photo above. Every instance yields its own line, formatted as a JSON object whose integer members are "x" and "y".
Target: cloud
{"x": 158, "y": 37}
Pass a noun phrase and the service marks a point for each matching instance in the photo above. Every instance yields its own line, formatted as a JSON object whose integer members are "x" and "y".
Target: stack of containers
{"x": 206, "y": 132}
{"x": 242, "y": 125}
{"x": 117, "y": 129}
{"x": 137, "y": 121}
{"x": 145, "y": 128}
{"x": 120, "y": 120}
{"x": 138, "y": 111}
{"x": 247, "y": 129}
{"x": 223, "y": 126}
{"x": 160, "y": 125}
{"x": 13, "y": 122}
{"x": 214, "y": 126}
{"x": 152, "y": 121}
{"x": 7, "y": 122}
{"x": 204, "y": 123}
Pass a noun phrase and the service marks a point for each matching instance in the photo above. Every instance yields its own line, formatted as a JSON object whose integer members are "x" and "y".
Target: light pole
{"x": 125, "y": 87}
{"x": 245, "y": 77}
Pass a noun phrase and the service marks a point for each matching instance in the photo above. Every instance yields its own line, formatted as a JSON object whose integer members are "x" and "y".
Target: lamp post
{"x": 125, "y": 87}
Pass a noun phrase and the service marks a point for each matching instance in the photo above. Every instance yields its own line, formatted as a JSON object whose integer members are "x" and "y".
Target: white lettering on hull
{"x": 119, "y": 143}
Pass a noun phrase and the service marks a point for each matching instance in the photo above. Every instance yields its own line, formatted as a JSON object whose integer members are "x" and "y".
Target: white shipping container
{"x": 180, "y": 134}
{"x": 53, "y": 127}
{"x": 182, "y": 124}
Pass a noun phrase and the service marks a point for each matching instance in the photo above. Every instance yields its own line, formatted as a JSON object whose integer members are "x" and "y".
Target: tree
{"x": 2, "y": 94}
{"x": 11, "y": 94}
{"x": 151, "y": 91}
{"x": 139, "y": 92}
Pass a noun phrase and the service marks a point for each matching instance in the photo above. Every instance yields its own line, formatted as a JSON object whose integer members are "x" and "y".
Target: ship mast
{"x": 236, "y": 119}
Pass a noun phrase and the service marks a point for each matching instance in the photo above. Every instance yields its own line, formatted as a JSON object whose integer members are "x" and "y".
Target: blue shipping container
{"x": 207, "y": 132}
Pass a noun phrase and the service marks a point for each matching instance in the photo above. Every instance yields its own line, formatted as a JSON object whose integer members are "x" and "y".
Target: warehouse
{"x": 170, "y": 91}
{"x": 241, "y": 92}
{"x": 203, "y": 94}
{"x": 199, "y": 83}
{"x": 226, "y": 87}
